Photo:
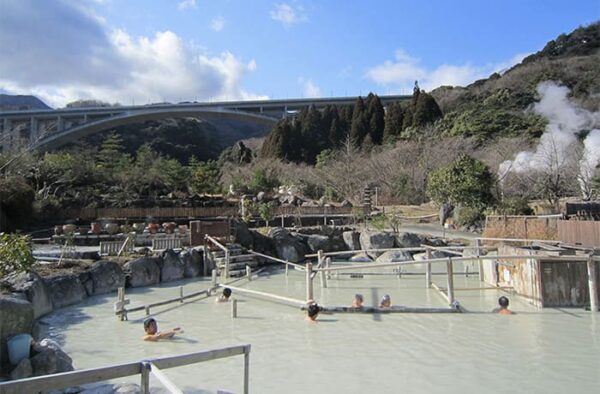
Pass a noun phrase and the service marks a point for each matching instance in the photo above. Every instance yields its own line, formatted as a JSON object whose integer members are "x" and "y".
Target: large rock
{"x": 435, "y": 254}
{"x": 16, "y": 317}
{"x": 352, "y": 240}
{"x": 318, "y": 242}
{"x": 262, "y": 243}
{"x": 144, "y": 271}
{"x": 393, "y": 256}
{"x": 243, "y": 235}
{"x": 409, "y": 240}
{"x": 22, "y": 370}
{"x": 173, "y": 268}
{"x": 49, "y": 358}
{"x": 118, "y": 388}
{"x": 376, "y": 240}
{"x": 287, "y": 246}
{"x": 33, "y": 286}
{"x": 107, "y": 276}
{"x": 66, "y": 290}
{"x": 193, "y": 263}
{"x": 361, "y": 258}
{"x": 86, "y": 280}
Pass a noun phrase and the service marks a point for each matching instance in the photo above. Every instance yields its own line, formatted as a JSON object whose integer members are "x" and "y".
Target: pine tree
{"x": 111, "y": 157}
{"x": 407, "y": 117}
{"x": 393, "y": 123}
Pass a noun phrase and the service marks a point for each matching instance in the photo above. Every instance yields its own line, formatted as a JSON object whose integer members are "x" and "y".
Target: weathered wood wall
{"x": 522, "y": 274}
{"x": 522, "y": 227}
{"x": 580, "y": 232}
{"x": 566, "y": 283}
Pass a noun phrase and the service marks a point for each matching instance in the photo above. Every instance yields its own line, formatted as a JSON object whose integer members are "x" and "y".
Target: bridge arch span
{"x": 58, "y": 139}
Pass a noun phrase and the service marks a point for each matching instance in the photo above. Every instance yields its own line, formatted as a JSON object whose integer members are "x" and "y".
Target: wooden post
{"x": 309, "y": 284}
{"x": 147, "y": 310}
{"x": 145, "y": 383}
{"x": 226, "y": 275}
{"x": 286, "y": 269}
{"x": 246, "y": 370}
{"x": 180, "y": 293}
{"x": 591, "y": 268}
{"x": 205, "y": 261}
{"x": 249, "y": 272}
{"x": 479, "y": 262}
{"x": 234, "y": 308}
{"x": 120, "y": 305}
{"x": 213, "y": 281}
{"x": 322, "y": 273}
{"x": 450, "y": 281}
{"x": 428, "y": 270}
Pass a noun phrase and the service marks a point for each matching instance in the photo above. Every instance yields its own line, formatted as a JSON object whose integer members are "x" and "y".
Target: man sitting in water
{"x": 152, "y": 333}
{"x": 503, "y": 310}
{"x": 312, "y": 311}
{"x": 225, "y": 296}
{"x": 386, "y": 301}
{"x": 357, "y": 302}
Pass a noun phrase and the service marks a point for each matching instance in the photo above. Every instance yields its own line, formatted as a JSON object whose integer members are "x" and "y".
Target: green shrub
{"x": 514, "y": 206}
{"x": 466, "y": 216}
{"x": 15, "y": 253}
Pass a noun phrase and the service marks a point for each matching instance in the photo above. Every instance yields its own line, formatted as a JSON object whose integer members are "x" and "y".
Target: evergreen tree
{"x": 376, "y": 118}
{"x": 311, "y": 135}
{"x": 275, "y": 144}
{"x": 393, "y": 123}
{"x": 407, "y": 117}
{"x": 360, "y": 124}
{"x": 111, "y": 157}
{"x": 426, "y": 110}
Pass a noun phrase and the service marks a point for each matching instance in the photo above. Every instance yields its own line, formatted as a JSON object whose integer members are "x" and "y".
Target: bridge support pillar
{"x": 33, "y": 130}
{"x": 60, "y": 124}
{"x": 6, "y": 136}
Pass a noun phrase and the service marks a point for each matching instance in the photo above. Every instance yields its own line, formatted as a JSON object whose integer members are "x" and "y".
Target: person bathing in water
{"x": 312, "y": 311}
{"x": 152, "y": 333}
{"x": 386, "y": 301}
{"x": 225, "y": 296}
{"x": 503, "y": 309}
{"x": 358, "y": 300}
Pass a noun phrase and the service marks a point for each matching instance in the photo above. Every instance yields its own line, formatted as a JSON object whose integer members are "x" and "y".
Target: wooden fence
{"x": 89, "y": 214}
{"x": 522, "y": 227}
{"x": 580, "y": 232}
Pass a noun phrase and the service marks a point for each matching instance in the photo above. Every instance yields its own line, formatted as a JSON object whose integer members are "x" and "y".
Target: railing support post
{"x": 246, "y": 369}
{"x": 145, "y": 382}
{"x": 428, "y": 269}
{"x": 450, "y": 281}
{"x": 234, "y": 308}
{"x": 479, "y": 262}
{"x": 249, "y": 272}
{"x": 593, "y": 286}
{"x": 309, "y": 283}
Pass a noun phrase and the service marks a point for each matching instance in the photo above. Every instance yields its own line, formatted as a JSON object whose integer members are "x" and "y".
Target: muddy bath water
{"x": 533, "y": 351}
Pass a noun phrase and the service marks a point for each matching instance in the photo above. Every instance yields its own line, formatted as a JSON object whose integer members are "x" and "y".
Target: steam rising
{"x": 565, "y": 121}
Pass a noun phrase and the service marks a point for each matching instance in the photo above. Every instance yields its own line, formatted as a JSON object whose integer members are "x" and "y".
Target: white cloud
{"x": 287, "y": 15}
{"x": 310, "y": 89}
{"x": 217, "y": 24}
{"x": 71, "y": 56}
{"x": 186, "y": 4}
{"x": 405, "y": 69}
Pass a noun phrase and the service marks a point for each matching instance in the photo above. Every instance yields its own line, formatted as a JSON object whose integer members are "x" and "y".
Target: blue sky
{"x": 140, "y": 51}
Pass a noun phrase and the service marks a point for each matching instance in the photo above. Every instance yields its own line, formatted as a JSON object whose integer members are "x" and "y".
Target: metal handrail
{"x": 142, "y": 367}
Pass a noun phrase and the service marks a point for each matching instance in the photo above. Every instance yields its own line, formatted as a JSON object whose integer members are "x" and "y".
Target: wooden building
{"x": 557, "y": 278}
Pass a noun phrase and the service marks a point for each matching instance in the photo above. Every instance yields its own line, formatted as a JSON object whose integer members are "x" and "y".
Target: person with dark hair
{"x": 152, "y": 333}
{"x": 503, "y": 309}
{"x": 358, "y": 300}
{"x": 312, "y": 311}
{"x": 225, "y": 296}
{"x": 386, "y": 301}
